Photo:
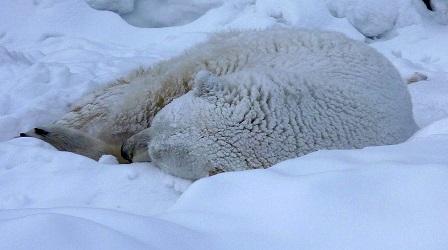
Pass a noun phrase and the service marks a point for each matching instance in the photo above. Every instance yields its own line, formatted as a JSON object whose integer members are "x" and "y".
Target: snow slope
{"x": 53, "y": 52}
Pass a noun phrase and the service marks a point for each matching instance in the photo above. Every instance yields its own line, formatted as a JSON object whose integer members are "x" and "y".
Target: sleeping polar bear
{"x": 259, "y": 97}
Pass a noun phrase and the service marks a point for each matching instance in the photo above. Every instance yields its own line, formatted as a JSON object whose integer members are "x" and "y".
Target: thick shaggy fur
{"x": 260, "y": 97}
{"x": 279, "y": 94}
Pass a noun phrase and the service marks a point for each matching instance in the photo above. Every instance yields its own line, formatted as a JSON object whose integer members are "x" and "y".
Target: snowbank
{"x": 389, "y": 197}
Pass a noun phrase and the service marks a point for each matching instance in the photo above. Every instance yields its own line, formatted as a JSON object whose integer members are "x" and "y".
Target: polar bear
{"x": 262, "y": 96}
{"x": 283, "y": 93}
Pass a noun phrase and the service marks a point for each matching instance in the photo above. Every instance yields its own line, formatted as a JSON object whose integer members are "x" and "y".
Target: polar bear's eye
{"x": 40, "y": 131}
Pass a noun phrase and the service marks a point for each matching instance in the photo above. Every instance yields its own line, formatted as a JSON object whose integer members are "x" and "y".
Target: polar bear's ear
{"x": 206, "y": 83}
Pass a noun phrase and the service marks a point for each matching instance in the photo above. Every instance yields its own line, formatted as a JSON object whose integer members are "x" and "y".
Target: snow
{"x": 162, "y": 13}
{"x": 117, "y": 6}
{"x": 440, "y": 6}
{"x": 53, "y": 52}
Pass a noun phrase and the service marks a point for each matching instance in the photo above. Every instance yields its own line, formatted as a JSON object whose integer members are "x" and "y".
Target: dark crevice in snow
{"x": 428, "y": 4}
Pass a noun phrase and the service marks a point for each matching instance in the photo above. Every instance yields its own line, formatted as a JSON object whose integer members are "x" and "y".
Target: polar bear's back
{"x": 288, "y": 49}
{"x": 327, "y": 55}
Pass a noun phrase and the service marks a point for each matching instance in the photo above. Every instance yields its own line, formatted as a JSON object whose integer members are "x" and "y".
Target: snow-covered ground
{"x": 53, "y": 52}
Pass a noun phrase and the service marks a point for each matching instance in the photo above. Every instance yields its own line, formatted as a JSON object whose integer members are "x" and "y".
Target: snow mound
{"x": 35, "y": 175}
{"x": 156, "y": 13}
{"x": 385, "y": 197}
{"x": 162, "y": 13}
{"x": 392, "y": 196}
{"x": 376, "y": 18}
{"x": 117, "y": 6}
{"x": 440, "y": 6}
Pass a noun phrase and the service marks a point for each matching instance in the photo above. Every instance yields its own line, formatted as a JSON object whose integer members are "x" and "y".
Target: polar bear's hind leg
{"x": 72, "y": 140}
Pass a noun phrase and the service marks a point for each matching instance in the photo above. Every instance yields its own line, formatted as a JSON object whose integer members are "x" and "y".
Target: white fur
{"x": 262, "y": 97}
{"x": 276, "y": 94}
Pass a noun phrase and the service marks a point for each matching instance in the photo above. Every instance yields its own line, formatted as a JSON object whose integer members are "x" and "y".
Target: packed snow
{"x": 54, "y": 52}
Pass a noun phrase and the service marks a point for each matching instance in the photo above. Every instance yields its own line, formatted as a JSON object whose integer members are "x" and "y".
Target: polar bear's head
{"x": 204, "y": 131}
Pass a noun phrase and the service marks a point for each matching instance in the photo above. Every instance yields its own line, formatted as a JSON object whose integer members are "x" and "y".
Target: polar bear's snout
{"x": 125, "y": 154}
{"x": 135, "y": 149}
{"x": 177, "y": 159}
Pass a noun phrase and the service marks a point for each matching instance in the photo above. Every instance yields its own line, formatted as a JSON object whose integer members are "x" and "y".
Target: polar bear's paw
{"x": 72, "y": 140}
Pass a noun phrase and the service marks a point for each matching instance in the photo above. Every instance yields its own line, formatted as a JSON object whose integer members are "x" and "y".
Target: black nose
{"x": 125, "y": 155}
{"x": 23, "y": 135}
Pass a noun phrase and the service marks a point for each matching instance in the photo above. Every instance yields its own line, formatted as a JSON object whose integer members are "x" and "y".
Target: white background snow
{"x": 54, "y": 52}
